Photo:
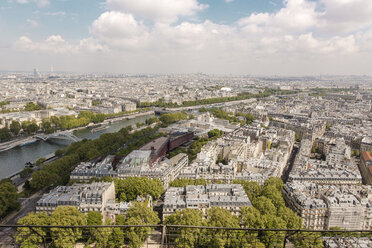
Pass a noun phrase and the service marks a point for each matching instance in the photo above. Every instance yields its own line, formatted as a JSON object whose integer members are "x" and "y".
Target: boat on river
{"x": 100, "y": 128}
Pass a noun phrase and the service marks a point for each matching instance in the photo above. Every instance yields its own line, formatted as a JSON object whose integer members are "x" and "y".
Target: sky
{"x": 230, "y": 37}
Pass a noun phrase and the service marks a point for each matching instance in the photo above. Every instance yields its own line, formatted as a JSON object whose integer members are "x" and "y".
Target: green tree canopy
{"x": 30, "y": 127}
{"x": 129, "y": 188}
{"x": 5, "y": 134}
{"x": 27, "y": 237}
{"x": 25, "y": 172}
{"x": 251, "y": 188}
{"x": 264, "y": 205}
{"x": 32, "y": 107}
{"x": 188, "y": 237}
{"x": 252, "y": 218}
{"x": 276, "y": 182}
{"x": 66, "y": 216}
{"x": 15, "y": 127}
{"x": 214, "y": 133}
{"x": 172, "y": 117}
{"x": 219, "y": 217}
{"x": 8, "y": 197}
{"x": 139, "y": 214}
{"x": 271, "y": 192}
{"x": 42, "y": 178}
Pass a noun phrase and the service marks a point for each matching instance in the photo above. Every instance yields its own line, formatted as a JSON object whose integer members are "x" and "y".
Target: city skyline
{"x": 291, "y": 37}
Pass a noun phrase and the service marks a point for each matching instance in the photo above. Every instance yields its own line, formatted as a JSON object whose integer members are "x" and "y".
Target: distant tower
{"x": 51, "y": 69}
{"x": 36, "y": 73}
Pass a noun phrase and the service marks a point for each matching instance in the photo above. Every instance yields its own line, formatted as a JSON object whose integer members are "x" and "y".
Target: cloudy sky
{"x": 257, "y": 37}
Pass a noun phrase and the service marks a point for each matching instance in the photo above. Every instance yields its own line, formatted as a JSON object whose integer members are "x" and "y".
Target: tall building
{"x": 36, "y": 73}
{"x": 228, "y": 196}
{"x": 98, "y": 196}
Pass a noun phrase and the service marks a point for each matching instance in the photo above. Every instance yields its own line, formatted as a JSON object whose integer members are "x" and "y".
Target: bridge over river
{"x": 65, "y": 135}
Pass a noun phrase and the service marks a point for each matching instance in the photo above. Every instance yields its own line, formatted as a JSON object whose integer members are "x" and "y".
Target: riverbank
{"x": 129, "y": 116}
{"x": 30, "y": 139}
{"x": 18, "y": 142}
{"x": 13, "y": 161}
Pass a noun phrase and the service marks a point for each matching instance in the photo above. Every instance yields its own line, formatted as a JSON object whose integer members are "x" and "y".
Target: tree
{"x": 328, "y": 126}
{"x": 139, "y": 214}
{"x": 32, "y": 107}
{"x": 271, "y": 192}
{"x": 172, "y": 117}
{"x": 214, "y": 133}
{"x": 219, "y": 238}
{"x": 29, "y": 127}
{"x": 8, "y": 197}
{"x": 116, "y": 239}
{"x": 15, "y": 127}
{"x": 129, "y": 188}
{"x": 188, "y": 237}
{"x": 46, "y": 126}
{"x": 308, "y": 239}
{"x": 251, "y": 188}
{"x": 250, "y": 118}
{"x": 3, "y": 103}
{"x": 221, "y": 160}
{"x": 94, "y": 218}
{"x": 5, "y": 134}
{"x": 27, "y": 237}
{"x": 103, "y": 235}
{"x": 25, "y": 172}
{"x": 276, "y": 182}
{"x": 270, "y": 238}
{"x": 264, "y": 205}
{"x": 97, "y": 118}
{"x": 59, "y": 153}
{"x": 293, "y": 221}
{"x": 42, "y": 178}
{"x": 268, "y": 145}
{"x": 40, "y": 161}
{"x": 96, "y": 234}
{"x": 66, "y": 216}
{"x": 252, "y": 218}
{"x": 297, "y": 137}
{"x": 183, "y": 182}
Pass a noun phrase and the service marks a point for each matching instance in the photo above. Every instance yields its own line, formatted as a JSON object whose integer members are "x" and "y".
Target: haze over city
{"x": 290, "y": 37}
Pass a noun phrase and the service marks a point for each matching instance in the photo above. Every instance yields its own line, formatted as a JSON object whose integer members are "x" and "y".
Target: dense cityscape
{"x": 244, "y": 152}
{"x": 185, "y": 124}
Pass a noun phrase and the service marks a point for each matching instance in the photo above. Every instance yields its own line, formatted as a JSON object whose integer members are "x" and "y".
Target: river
{"x": 14, "y": 160}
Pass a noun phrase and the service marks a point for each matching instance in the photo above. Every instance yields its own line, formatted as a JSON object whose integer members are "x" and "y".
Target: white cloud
{"x": 42, "y": 3}
{"x": 21, "y": 1}
{"x": 291, "y": 40}
{"x": 39, "y": 3}
{"x": 296, "y": 16}
{"x": 166, "y": 11}
{"x": 292, "y": 29}
{"x": 229, "y": 1}
{"x": 273, "y": 3}
{"x": 344, "y": 16}
{"x": 119, "y": 30}
{"x": 33, "y": 23}
{"x": 57, "y": 13}
{"x": 52, "y": 44}
{"x": 91, "y": 45}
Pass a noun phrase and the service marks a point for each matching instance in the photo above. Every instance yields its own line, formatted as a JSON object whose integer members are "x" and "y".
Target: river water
{"x": 14, "y": 160}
